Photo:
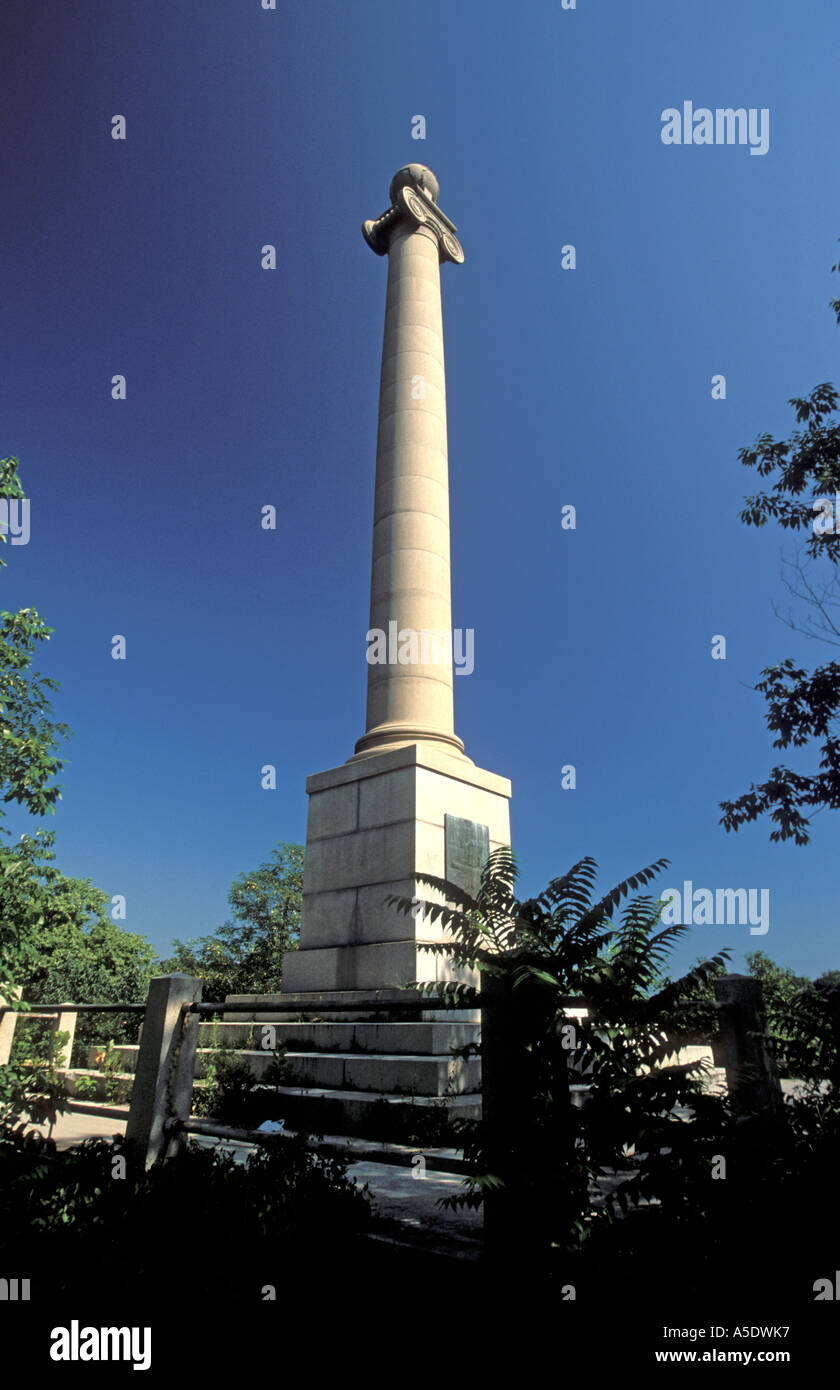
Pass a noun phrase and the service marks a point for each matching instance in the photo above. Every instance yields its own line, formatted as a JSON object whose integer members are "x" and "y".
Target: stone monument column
{"x": 408, "y": 802}
{"x": 410, "y": 700}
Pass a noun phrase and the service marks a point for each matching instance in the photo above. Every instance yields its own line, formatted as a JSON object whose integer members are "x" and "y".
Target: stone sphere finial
{"x": 414, "y": 176}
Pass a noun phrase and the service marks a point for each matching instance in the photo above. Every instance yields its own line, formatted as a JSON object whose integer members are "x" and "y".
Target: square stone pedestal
{"x": 374, "y": 825}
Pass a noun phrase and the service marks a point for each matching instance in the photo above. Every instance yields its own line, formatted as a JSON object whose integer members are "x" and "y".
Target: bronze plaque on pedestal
{"x": 467, "y": 848}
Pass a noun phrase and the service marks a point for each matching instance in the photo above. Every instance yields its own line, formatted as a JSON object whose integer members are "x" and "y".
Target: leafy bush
{"x": 86, "y": 1087}
{"x": 199, "y": 1217}
{"x": 649, "y": 1189}
{"x": 111, "y": 1063}
{"x": 31, "y": 1090}
{"x": 245, "y": 954}
{"x": 232, "y": 1095}
{"x": 58, "y": 941}
{"x": 549, "y": 1154}
{"x": 803, "y": 1018}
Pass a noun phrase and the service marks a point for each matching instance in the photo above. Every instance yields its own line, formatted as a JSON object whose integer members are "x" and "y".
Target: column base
{"x": 386, "y": 737}
{"x": 375, "y": 825}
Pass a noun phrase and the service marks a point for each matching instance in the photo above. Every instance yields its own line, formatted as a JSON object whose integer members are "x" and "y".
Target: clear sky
{"x": 248, "y": 387}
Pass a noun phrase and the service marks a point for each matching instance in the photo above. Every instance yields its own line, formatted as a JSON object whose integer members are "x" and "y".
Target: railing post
{"x": 64, "y": 1023}
{"x": 750, "y": 1070}
{"x": 8, "y": 1021}
{"x": 530, "y": 1148}
{"x": 498, "y": 1117}
{"x": 165, "y": 1068}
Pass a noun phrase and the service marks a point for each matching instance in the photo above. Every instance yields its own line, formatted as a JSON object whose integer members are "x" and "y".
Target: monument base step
{"x": 375, "y": 1115}
{"x": 423, "y": 1039}
{"x": 320, "y": 1006}
{"x": 432, "y": 1073}
{"x": 343, "y": 1072}
{"x": 377, "y": 1075}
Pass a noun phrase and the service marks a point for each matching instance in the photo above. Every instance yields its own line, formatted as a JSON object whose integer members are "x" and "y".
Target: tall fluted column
{"x": 409, "y": 803}
{"x": 409, "y": 699}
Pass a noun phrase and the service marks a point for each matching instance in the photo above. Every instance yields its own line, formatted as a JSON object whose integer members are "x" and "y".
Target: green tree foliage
{"x": 801, "y": 1016}
{"x": 646, "y": 1188}
{"x": 802, "y": 706}
{"x": 57, "y": 941}
{"x": 29, "y": 739}
{"x": 73, "y": 949}
{"x": 797, "y": 1011}
{"x": 66, "y": 947}
{"x": 28, "y": 736}
{"x": 231, "y": 1094}
{"x": 534, "y": 957}
{"x": 286, "y": 1209}
{"x": 245, "y": 954}
{"x": 31, "y": 1089}
{"x": 28, "y": 766}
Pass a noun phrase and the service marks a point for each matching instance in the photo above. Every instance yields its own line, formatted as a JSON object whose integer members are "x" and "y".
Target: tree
{"x": 56, "y": 939}
{"x": 535, "y": 957}
{"x": 802, "y": 706}
{"x": 82, "y": 955}
{"x": 29, "y": 737}
{"x": 797, "y": 1013}
{"x": 800, "y": 1015}
{"x": 28, "y": 742}
{"x": 66, "y": 947}
{"x": 644, "y": 1143}
{"x": 83, "y": 1231}
{"x": 245, "y": 954}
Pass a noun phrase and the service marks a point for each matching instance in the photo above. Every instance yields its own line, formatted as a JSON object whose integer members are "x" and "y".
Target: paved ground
{"x": 405, "y": 1197}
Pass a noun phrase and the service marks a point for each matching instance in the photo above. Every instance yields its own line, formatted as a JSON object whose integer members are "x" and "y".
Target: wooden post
{"x": 8, "y": 1021}
{"x": 750, "y": 1070}
{"x": 165, "y": 1068}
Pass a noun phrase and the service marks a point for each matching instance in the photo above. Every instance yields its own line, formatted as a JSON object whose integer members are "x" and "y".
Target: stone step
{"x": 379, "y": 1116}
{"x": 320, "y": 1006}
{"x": 401, "y": 1073}
{"x": 121, "y": 1084}
{"x": 376, "y": 1116}
{"x": 423, "y": 1039}
{"x": 404, "y": 1074}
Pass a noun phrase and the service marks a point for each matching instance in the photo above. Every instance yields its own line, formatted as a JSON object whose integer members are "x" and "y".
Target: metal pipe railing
{"x": 75, "y": 1009}
{"x": 359, "y": 1006}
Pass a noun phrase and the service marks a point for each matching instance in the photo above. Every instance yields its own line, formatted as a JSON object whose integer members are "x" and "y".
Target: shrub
{"x": 550, "y": 1156}
{"x": 232, "y": 1095}
{"x": 72, "y": 1213}
{"x": 31, "y": 1090}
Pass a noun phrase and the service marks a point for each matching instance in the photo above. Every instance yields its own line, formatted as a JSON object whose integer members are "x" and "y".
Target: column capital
{"x": 413, "y": 192}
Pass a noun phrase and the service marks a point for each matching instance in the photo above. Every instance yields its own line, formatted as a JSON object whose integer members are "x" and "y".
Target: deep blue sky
{"x": 248, "y": 387}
